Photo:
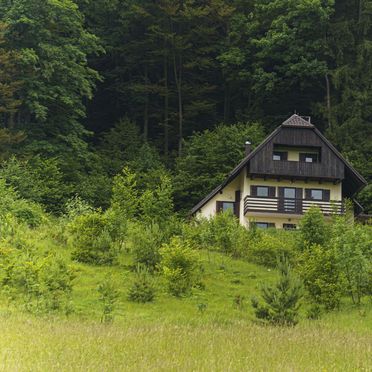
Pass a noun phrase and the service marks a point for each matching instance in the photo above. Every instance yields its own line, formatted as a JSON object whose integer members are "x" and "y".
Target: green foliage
{"x": 125, "y": 194}
{"x": 266, "y": 248}
{"x": 91, "y": 239}
{"x": 281, "y": 301}
{"x": 24, "y": 211}
{"x": 144, "y": 242}
{"x": 353, "y": 244}
{"x": 221, "y": 233}
{"x": 321, "y": 275}
{"x": 180, "y": 265}
{"x": 40, "y": 283}
{"x": 157, "y": 204}
{"x": 142, "y": 289}
{"x": 208, "y": 157}
{"x": 313, "y": 229}
{"x": 38, "y": 180}
{"x": 108, "y": 296}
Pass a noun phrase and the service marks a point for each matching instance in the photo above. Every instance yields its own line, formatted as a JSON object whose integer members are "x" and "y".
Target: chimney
{"x": 248, "y": 148}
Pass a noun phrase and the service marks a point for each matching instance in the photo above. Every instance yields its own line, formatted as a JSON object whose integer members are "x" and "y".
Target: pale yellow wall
{"x": 279, "y": 221}
{"x": 228, "y": 194}
{"x": 293, "y": 155}
{"x": 244, "y": 183}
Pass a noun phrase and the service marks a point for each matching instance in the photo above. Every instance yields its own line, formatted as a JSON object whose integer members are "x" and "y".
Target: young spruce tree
{"x": 281, "y": 301}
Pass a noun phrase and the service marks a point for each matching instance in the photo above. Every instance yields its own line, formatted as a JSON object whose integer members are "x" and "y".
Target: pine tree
{"x": 281, "y": 301}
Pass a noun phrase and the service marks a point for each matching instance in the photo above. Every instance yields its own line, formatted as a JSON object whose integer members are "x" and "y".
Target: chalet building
{"x": 294, "y": 168}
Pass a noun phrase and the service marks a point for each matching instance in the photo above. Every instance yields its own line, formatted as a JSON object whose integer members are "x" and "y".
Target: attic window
{"x": 280, "y": 155}
{"x": 309, "y": 158}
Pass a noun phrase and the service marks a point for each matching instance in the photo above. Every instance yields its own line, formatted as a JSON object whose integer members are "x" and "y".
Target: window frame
{"x": 304, "y": 155}
{"x": 286, "y": 226}
{"x": 283, "y": 155}
{"x": 269, "y": 225}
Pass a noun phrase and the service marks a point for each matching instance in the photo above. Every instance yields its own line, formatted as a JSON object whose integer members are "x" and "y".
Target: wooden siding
{"x": 329, "y": 167}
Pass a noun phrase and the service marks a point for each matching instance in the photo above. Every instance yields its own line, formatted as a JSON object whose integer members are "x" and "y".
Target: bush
{"x": 267, "y": 247}
{"x": 319, "y": 271}
{"x": 352, "y": 243}
{"x": 142, "y": 289}
{"x": 108, "y": 296}
{"x": 281, "y": 301}
{"x": 222, "y": 233}
{"x": 313, "y": 230}
{"x": 180, "y": 266}
{"x": 92, "y": 239}
{"x": 23, "y": 210}
{"x": 40, "y": 283}
{"x": 144, "y": 242}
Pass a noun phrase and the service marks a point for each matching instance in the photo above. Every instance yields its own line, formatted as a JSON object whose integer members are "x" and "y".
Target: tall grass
{"x": 34, "y": 344}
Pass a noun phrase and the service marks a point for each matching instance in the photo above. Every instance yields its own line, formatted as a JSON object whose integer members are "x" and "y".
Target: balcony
{"x": 290, "y": 206}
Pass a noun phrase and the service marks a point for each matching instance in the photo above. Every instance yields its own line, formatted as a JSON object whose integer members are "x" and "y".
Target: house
{"x": 294, "y": 168}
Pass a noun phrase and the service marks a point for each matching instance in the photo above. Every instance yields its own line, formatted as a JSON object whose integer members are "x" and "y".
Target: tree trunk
{"x": 226, "y": 109}
{"x": 178, "y": 80}
{"x": 328, "y": 88}
{"x": 146, "y": 110}
{"x": 166, "y": 106}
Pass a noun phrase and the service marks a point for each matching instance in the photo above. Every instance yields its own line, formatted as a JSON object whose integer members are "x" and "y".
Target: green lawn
{"x": 171, "y": 334}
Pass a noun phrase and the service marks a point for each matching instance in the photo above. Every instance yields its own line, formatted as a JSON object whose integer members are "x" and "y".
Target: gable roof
{"x": 295, "y": 121}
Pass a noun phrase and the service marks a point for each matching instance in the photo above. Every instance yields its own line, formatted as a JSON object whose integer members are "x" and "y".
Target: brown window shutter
{"x": 237, "y": 209}
{"x": 326, "y": 195}
{"x": 272, "y": 192}
{"x": 284, "y": 155}
{"x": 218, "y": 206}
{"x": 299, "y": 193}
{"x": 302, "y": 157}
{"x": 281, "y": 192}
{"x": 308, "y": 194}
{"x": 237, "y": 196}
{"x": 253, "y": 190}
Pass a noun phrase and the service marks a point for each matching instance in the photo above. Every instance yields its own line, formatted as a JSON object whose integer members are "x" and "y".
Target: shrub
{"x": 266, "y": 248}
{"x": 281, "y": 301}
{"x": 23, "y": 210}
{"x": 108, "y": 296}
{"x": 222, "y": 233}
{"x": 319, "y": 271}
{"x": 313, "y": 230}
{"x": 91, "y": 239}
{"x": 180, "y": 266}
{"x": 142, "y": 289}
{"x": 40, "y": 283}
{"x": 76, "y": 206}
{"x": 144, "y": 242}
{"x": 352, "y": 245}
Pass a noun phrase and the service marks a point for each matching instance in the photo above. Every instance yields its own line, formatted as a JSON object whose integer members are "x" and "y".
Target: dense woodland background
{"x": 172, "y": 89}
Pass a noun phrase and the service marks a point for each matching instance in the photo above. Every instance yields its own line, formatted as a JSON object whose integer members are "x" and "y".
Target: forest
{"x": 116, "y": 118}
{"x": 172, "y": 87}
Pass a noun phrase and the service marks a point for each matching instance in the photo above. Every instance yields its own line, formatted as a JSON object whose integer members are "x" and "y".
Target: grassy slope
{"x": 171, "y": 334}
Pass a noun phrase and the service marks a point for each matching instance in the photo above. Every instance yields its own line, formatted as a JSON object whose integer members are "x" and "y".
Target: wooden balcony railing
{"x": 291, "y": 206}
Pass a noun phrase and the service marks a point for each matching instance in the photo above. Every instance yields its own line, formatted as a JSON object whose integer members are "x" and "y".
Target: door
{"x": 290, "y": 200}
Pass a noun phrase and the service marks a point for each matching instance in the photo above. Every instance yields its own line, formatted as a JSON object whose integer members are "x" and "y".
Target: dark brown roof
{"x": 298, "y": 122}
{"x": 294, "y": 121}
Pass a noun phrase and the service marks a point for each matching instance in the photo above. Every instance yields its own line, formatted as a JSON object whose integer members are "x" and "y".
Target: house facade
{"x": 294, "y": 168}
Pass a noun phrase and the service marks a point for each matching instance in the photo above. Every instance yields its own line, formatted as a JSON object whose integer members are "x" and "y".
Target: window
{"x": 228, "y": 206}
{"x": 262, "y": 191}
{"x": 280, "y": 155}
{"x": 309, "y": 158}
{"x": 289, "y": 226}
{"x": 316, "y": 194}
{"x": 264, "y": 225}
{"x": 289, "y": 192}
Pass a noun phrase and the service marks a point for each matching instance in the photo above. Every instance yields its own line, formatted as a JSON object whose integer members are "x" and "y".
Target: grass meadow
{"x": 173, "y": 334}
